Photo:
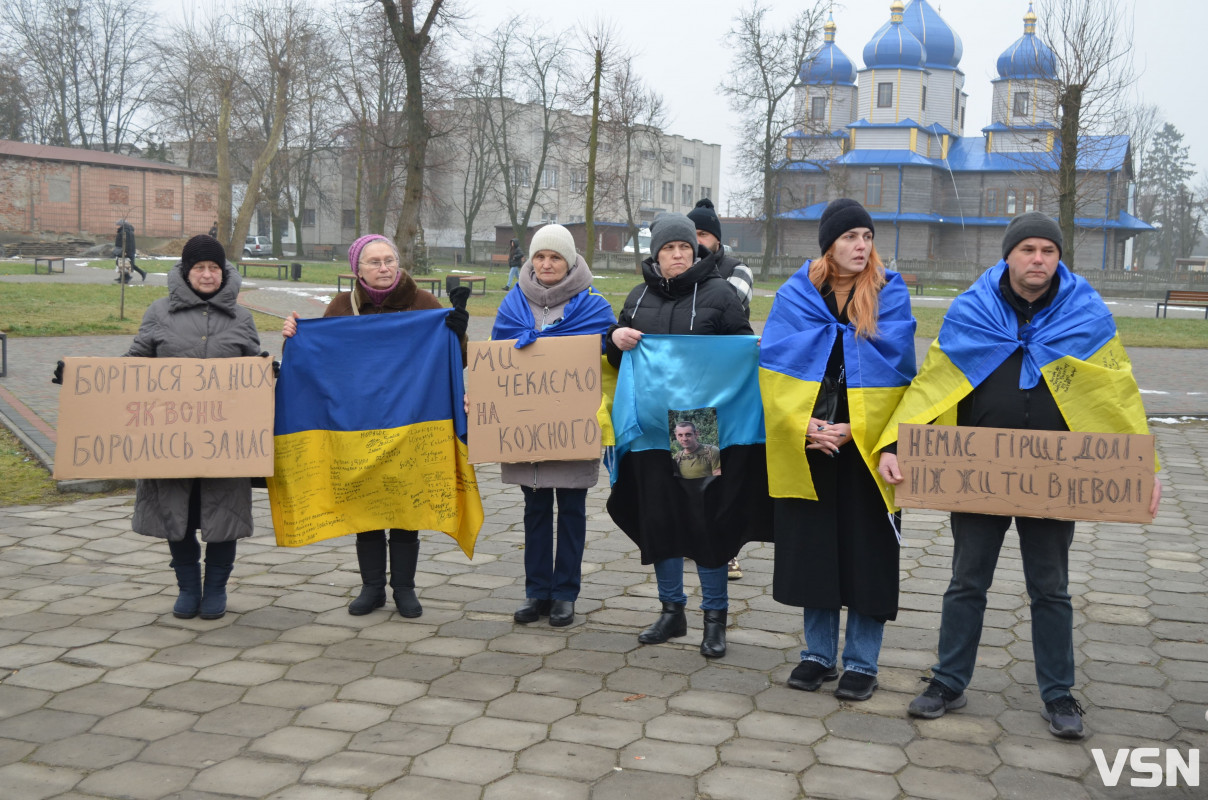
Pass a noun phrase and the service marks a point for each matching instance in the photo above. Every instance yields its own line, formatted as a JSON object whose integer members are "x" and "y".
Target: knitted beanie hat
{"x": 669, "y": 228}
{"x": 840, "y": 217}
{"x": 354, "y": 251}
{"x": 705, "y": 218}
{"x": 556, "y": 238}
{"x": 202, "y": 248}
{"x": 1025, "y": 226}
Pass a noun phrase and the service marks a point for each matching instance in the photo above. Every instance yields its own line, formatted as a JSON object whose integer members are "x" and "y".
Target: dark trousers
{"x": 1044, "y": 545}
{"x": 550, "y": 575}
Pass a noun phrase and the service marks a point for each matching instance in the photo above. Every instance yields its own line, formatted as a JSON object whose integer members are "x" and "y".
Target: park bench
{"x": 50, "y": 263}
{"x": 431, "y": 284}
{"x": 324, "y": 252}
{"x": 912, "y": 280}
{"x": 1182, "y": 297}
{"x": 499, "y": 258}
{"x": 453, "y": 281}
{"x": 282, "y": 269}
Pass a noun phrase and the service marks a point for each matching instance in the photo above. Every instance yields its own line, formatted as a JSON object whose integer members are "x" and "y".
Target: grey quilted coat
{"x": 182, "y": 325}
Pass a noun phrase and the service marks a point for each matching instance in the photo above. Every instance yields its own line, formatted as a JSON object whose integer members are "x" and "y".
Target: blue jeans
{"x": 861, "y": 644}
{"x": 546, "y": 576}
{"x": 513, "y": 276}
{"x": 1045, "y": 547}
{"x": 714, "y": 586}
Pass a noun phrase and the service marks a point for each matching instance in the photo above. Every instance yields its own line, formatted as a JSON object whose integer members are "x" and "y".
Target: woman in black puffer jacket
{"x": 682, "y": 293}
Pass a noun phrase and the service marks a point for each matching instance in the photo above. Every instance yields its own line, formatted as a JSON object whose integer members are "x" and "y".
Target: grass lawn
{"x": 23, "y": 482}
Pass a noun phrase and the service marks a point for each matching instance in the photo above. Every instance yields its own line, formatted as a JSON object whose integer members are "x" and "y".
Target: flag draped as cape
{"x": 797, "y": 342}
{"x": 707, "y": 519}
{"x": 1072, "y": 345}
{"x": 370, "y": 431}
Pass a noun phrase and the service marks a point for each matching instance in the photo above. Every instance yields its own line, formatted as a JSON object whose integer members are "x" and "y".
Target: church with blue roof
{"x": 892, "y": 135}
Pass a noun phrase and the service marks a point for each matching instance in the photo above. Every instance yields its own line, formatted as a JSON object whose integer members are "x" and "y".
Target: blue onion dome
{"x": 894, "y": 45}
{"x": 944, "y": 48}
{"x": 1028, "y": 57}
{"x": 831, "y": 65}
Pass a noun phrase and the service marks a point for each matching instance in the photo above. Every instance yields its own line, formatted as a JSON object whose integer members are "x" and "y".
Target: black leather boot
{"x": 220, "y": 559}
{"x": 713, "y": 645}
{"x": 371, "y": 559}
{"x": 532, "y": 610}
{"x": 404, "y": 553}
{"x": 670, "y": 624}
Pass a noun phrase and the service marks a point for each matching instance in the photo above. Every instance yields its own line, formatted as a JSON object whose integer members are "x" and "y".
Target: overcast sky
{"x": 680, "y": 49}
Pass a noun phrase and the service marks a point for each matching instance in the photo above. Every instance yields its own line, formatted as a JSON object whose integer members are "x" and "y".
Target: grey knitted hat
{"x": 556, "y": 238}
{"x": 669, "y": 228}
{"x": 1025, "y": 226}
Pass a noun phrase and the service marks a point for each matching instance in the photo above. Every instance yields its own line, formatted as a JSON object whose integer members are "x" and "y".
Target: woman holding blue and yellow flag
{"x": 553, "y": 297}
{"x": 836, "y": 356}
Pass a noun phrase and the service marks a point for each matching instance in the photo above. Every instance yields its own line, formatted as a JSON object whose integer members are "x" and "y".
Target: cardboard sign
{"x": 165, "y": 418}
{"x": 534, "y": 404}
{"x": 1051, "y": 474}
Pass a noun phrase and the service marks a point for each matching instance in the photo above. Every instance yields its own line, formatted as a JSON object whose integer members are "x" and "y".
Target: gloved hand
{"x": 276, "y": 363}
{"x": 58, "y": 378}
{"x": 458, "y": 319}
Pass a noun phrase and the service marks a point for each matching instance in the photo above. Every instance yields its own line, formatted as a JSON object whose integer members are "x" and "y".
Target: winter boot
{"x": 188, "y": 579}
{"x": 713, "y": 645}
{"x": 671, "y": 623}
{"x": 404, "y": 553}
{"x": 220, "y": 560}
{"x": 371, "y": 558}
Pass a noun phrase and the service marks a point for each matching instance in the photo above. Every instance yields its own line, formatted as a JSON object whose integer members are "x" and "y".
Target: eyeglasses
{"x": 380, "y": 263}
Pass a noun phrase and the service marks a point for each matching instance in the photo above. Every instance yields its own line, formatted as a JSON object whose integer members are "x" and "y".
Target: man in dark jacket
{"x": 1028, "y": 297}
{"x": 123, "y": 247}
{"x": 708, "y": 235}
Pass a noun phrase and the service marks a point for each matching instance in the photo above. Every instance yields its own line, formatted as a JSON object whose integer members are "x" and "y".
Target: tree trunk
{"x": 592, "y": 140}
{"x": 243, "y": 221}
{"x": 223, "y": 157}
{"x": 1067, "y": 169}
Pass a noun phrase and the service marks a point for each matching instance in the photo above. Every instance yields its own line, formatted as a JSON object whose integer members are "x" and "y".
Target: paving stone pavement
{"x": 103, "y": 694}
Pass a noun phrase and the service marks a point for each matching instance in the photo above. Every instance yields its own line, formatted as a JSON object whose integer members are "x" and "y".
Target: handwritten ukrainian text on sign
{"x": 534, "y": 404}
{"x": 165, "y": 418}
{"x": 1055, "y": 474}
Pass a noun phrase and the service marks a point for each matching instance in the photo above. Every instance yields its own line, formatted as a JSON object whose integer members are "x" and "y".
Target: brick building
{"x": 56, "y": 191}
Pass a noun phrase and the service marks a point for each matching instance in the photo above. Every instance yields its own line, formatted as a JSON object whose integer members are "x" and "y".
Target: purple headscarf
{"x": 377, "y": 296}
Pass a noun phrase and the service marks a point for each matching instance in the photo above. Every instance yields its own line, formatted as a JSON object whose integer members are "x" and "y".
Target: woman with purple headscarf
{"x": 382, "y": 286}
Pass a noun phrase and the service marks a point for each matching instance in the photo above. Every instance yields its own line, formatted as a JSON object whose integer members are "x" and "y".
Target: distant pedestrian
{"x": 123, "y": 248}
{"x": 515, "y": 262}
{"x": 214, "y": 229}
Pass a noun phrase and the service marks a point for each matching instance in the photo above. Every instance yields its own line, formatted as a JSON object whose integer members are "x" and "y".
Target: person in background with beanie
{"x": 736, "y": 273}
{"x": 200, "y": 318}
{"x": 382, "y": 286}
{"x": 556, "y": 298}
{"x": 840, "y": 325}
{"x": 681, "y": 293}
{"x": 1029, "y": 345}
{"x": 123, "y": 247}
{"x": 515, "y": 262}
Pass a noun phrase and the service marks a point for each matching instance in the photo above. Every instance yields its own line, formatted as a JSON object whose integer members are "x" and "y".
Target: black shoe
{"x": 809, "y": 675}
{"x": 532, "y": 610}
{"x": 936, "y": 700}
{"x": 713, "y": 645}
{"x": 407, "y": 603}
{"x": 561, "y": 613}
{"x": 1064, "y": 716}
{"x": 855, "y": 686}
{"x": 670, "y": 624}
{"x": 370, "y": 598}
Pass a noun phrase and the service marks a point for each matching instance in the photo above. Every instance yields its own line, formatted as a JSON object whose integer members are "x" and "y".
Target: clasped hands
{"x": 827, "y": 436}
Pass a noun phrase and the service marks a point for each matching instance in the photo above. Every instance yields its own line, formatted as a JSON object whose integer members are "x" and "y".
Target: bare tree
{"x": 118, "y": 63}
{"x": 477, "y": 165}
{"x": 760, "y": 82}
{"x": 599, "y": 45}
{"x": 184, "y": 95}
{"x": 1144, "y": 122}
{"x": 13, "y": 101}
{"x": 1092, "y": 43}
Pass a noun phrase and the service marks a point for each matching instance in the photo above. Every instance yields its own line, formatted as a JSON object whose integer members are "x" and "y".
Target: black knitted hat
{"x": 1025, "y": 226}
{"x": 202, "y": 248}
{"x": 705, "y": 218}
{"x": 840, "y": 217}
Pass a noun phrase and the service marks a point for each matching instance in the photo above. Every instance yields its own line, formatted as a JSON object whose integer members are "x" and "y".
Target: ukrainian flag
{"x": 797, "y": 342}
{"x": 370, "y": 431}
{"x": 1072, "y": 344}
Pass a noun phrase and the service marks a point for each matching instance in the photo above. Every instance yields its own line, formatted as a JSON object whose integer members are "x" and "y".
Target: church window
{"x": 884, "y": 95}
{"x": 923, "y": 105}
{"x": 1029, "y": 200}
{"x": 1009, "y": 205}
{"x": 872, "y": 189}
{"x": 818, "y": 108}
{"x": 809, "y": 195}
{"x": 991, "y": 202}
{"x": 1022, "y": 105}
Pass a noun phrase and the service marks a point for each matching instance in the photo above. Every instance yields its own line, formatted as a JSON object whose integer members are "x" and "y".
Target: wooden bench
{"x": 431, "y": 284}
{"x": 50, "y": 264}
{"x": 282, "y": 269}
{"x": 499, "y": 258}
{"x": 456, "y": 280}
{"x": 910, "y": 279}
{"x": 322, "y": 251}
{"x": 1182, "y": 297}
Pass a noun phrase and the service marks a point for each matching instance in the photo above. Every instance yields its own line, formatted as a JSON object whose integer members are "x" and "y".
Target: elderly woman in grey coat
{"x": 200, "y": 318}
{"x": 553, "y": 297}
